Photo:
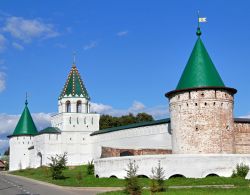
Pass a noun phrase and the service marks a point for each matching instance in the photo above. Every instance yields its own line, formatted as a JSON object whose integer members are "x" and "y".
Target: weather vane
{"x": 200, "y": 20}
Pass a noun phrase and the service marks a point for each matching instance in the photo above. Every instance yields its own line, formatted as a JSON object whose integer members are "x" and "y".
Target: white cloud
{"x": 122, "y": 33}
{"x": 2, "y": 81}
{"x": 91, "y": 45}
{"x": 158, "y": 112}
{"x": 3, "y": 42}
{"x": 26, "y": 30}
{"x": 17, "y": 46}
{"x": 245, "y": 116}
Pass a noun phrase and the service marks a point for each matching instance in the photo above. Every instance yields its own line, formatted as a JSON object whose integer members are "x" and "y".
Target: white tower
{"x": 21, "y": 140}
{"x": 74, "y": 106}
{"x": 75, "y": 120}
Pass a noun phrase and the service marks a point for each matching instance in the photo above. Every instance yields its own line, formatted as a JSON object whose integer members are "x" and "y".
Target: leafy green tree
{"x": 142, "y": 117}
{"x": 132, "y": 185}
{"x": 57, "y": 165}
{"x": 7, "y": 152}
{"x": 107, "y": 121}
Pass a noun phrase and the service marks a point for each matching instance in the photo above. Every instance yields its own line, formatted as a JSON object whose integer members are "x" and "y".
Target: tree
{"x": 158, "y": 177}
{"x": 107, "y": 121}
{"x": 90, "y": 168}
{"x": 7, "y": 152}
{"x": 142, "y": 117}
{"x": 57, "y": 165}
{"x": 132, "y": 185}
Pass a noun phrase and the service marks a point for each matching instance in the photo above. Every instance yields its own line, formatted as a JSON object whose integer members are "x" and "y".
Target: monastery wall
{"x": 153, "y": 137}
{"x": 187, "y": 165}
{"x": 202, "y": 121}
{"x": 242, "y": 137}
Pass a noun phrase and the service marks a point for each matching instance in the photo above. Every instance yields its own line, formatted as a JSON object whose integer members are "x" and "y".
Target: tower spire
{"x": 74, "y": 58}
{"x": 198, "y": 32}
{"x": 26, "y": 99}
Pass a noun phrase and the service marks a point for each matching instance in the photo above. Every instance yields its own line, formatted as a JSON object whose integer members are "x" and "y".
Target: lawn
{"x": 77, "y": 176}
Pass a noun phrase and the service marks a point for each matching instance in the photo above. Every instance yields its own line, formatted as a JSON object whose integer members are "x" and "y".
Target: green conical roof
{"x": 200, "y": 70}
{"x": 74, "y": 85}
{"x": 25, "y": 125}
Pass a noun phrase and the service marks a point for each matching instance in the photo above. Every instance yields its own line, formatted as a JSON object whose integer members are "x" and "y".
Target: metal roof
{"x": 135, "y": 125}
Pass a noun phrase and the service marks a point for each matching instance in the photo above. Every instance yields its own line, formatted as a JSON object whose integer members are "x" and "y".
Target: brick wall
{"x": 242, "y": 137}
{"x": 202, "y": 121}
{"x": 115, "y": 152}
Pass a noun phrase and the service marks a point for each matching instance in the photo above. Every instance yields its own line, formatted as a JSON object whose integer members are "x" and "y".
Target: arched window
{"x": 79, "y": 106}
{"x": 68, "y": 106}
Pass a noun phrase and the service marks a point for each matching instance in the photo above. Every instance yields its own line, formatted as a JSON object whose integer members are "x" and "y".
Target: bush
{"x": 157, "y": 184}
{"x": 6, "y": 168}
{"x": 241, "y": 170}
{"x": 90, "y": 168}
{"x": 57, "y": 165}
{"x": 132, "y": 185}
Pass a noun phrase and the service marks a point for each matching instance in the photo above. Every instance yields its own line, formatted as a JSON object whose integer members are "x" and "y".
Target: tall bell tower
{"x": 74, "y": 106}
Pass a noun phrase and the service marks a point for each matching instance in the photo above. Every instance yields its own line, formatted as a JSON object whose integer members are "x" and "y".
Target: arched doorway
{"x": 39, "y": 154}
{"x": 126, "y": 153}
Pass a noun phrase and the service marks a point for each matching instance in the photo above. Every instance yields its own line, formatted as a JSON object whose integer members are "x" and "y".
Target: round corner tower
{"x": 21, "y": 140}
{"x": 201, "y": 108}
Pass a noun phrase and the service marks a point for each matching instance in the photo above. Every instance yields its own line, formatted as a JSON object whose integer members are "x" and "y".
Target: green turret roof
{"x": 50, "y": 130}
{"x": 25, "y": 125}
{"x": 74, "y": 85}
{"x": 200, "y": 70}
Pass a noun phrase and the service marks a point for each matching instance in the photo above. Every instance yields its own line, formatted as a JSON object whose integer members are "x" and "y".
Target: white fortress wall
{"x": 154, "y": 137}
{"x": 188, "y": 165}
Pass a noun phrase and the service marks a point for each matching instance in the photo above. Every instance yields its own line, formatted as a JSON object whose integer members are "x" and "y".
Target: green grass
{"x": 72, "y": 179}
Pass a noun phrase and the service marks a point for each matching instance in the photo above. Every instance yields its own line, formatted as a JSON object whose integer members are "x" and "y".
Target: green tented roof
{"x": 74, "y": 85}
{"x": 200, "y": 70}
{"x": 50, "y": 130}
{"x": 25, "y": 125}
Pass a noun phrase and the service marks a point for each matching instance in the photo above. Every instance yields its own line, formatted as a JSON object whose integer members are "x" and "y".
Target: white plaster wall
{"x": 19, "y": 153}
{"x": 188, "y": 165}
{"x": 47, "y": 145}
{"x": 76, "y": 122}
{"x": 155, "y": 136}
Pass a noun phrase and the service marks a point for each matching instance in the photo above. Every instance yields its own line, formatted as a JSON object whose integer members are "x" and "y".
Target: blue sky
{"x": 129, "y": 53}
